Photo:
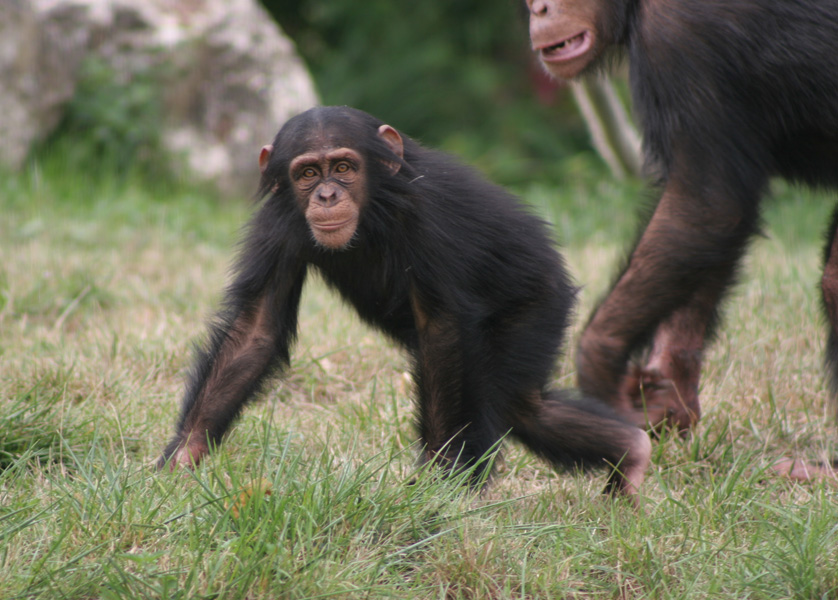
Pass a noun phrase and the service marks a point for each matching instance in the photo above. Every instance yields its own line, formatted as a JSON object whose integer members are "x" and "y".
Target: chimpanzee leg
{"x": 668, "y": 294}
{"x": 817, "y": 164}
{"x": 584, "y": 433}
{"x": 455, "y": 433}
{"x": 829, "y": 291}
{"x": 801, "y": 469}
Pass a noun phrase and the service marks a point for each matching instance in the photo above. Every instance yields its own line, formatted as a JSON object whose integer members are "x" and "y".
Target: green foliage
{"x": 31, "y": 426}
{"x": 458, "y": 75}
{"x": 113, "y": 123}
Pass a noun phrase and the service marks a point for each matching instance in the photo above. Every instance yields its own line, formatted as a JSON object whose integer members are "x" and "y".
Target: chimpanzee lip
{"x": 331, "y": 226}
{"x": 567, "y": 48}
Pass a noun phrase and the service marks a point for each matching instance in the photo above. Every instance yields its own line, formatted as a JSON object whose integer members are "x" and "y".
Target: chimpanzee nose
{"x": 327, "y": 195}
{"x": 539, "y": 8}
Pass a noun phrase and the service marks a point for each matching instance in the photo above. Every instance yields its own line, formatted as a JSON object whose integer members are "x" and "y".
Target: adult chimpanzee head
{"x": 324, "y": 157}
{"x": 570, "y": 35}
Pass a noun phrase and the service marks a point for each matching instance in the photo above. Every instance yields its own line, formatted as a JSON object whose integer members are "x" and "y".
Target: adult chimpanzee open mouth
{"x": 568, "y": 48}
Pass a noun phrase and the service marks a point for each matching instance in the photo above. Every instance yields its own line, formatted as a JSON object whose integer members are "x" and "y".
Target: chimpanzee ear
{"x": 265, "y": 157}
{"x": 392, "y": 138}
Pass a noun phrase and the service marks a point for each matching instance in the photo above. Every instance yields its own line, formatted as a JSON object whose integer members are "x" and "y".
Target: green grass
{"x": 104, "y": 286}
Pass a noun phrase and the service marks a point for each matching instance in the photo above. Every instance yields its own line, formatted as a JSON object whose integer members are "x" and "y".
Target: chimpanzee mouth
{"x": 331, "y": 226}
{"x": 568, "y": 48}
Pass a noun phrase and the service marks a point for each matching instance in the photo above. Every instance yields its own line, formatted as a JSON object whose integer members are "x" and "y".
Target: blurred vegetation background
{"x": 458, "y": 75}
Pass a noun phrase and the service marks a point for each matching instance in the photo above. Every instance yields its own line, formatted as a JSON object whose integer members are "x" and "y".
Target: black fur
{"x": 492, "y": 293}
{"x": 729, "y": 93}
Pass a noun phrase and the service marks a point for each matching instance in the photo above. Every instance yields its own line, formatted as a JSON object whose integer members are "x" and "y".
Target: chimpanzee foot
{"x": 451, "y": 462}
{"x": 659, "y": 401}
{"x": 802, "y": 470}
{"x": 186, "y": 456}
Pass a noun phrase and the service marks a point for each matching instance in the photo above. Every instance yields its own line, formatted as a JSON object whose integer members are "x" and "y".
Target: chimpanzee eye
{"x": 342, "y": 168}
{"x": 309, "y": 172}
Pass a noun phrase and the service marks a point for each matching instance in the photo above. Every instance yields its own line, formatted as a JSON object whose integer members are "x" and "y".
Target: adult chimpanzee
{"x": 448, "y": 265}
{"x": 729, "y": 93}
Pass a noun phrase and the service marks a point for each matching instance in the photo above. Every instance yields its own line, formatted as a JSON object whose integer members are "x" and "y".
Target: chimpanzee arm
{"x": 249, "y": 340}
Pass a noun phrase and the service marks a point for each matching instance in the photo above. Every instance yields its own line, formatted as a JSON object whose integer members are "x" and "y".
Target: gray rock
{"x": 228, "y": 77}
{"x": 41, "y": 49}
